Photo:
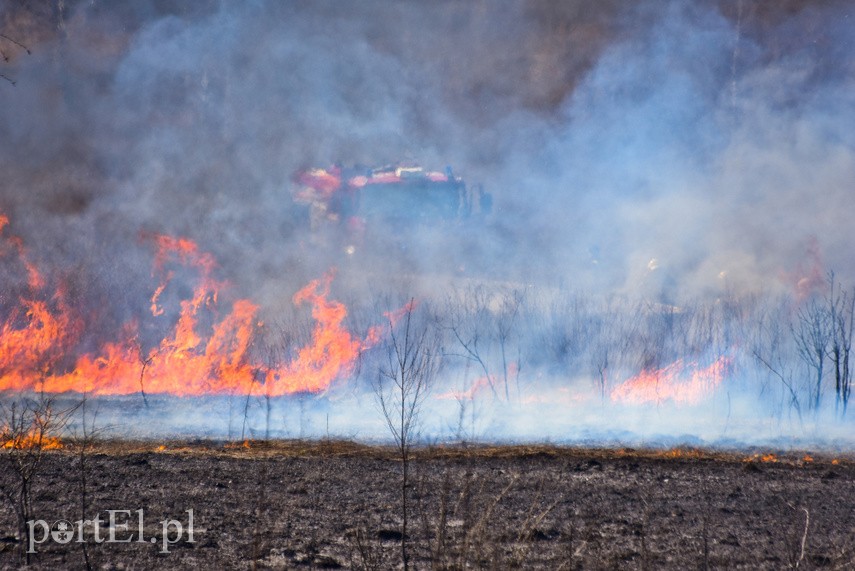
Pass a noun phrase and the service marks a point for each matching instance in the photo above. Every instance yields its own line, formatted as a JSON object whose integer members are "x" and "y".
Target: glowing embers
{"x": 679, "y": 382}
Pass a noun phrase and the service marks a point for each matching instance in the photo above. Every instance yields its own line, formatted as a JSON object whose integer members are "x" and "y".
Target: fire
{"x": 246, "y": 445}
{"x": 202, "y": 354}
{"x": 679, "y": 453}
{"x": 678, "y": 382}
{"x": 333, "y": 352}
{"x": 37, "y": 332}
{"x": 765, "y": 458}
{"x": 32, "y": 440}
{"x": 34, "y": 278}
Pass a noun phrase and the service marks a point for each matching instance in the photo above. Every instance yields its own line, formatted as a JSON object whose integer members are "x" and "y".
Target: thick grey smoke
{"x": 668, "y": 150}
{"x": 711, "y": 138}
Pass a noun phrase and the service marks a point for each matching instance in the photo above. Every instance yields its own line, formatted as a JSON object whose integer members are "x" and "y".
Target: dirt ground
{"x": 328, "y": 505}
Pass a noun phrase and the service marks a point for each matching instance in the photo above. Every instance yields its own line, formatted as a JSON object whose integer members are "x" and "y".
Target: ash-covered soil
{"x": 292, "y": 505}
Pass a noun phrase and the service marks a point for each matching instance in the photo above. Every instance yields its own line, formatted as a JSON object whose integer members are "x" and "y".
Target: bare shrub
{"x": 30, "y": 427}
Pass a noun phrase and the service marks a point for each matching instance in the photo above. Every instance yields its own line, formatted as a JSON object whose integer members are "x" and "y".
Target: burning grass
{"x": 678, "y": 382}
{"x": 29, "y": 441}
{"x": 205, "y": 352}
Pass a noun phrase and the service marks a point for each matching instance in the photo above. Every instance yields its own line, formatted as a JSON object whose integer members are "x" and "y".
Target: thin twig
{"x": 19, "y": 44}
{"x": 804, "y": 537}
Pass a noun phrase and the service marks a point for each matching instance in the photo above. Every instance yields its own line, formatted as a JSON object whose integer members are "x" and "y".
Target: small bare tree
{"x": 29, "y": 426}
{"x": 812, "y": 334}
{"x": 769, "y": 347}
{"x": 483, "y": 322}
{"x": 411, "y": 358}
{"x": 506, "y": 320}
{"x": 468, "y": 322}
{"x": 841, "y": 306}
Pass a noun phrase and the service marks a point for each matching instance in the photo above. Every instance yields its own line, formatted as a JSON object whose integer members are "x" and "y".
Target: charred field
{"x": 335, "y": 504}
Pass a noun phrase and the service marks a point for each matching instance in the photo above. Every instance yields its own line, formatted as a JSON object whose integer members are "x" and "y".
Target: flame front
{"x": 200, "y": 355}
{"x": 678, "y": 382}
{"x": 37, "y": 332}
{"x": 332, "y": 353}
{"x": 32, "y": 441}
{"x": 209, "y": 351}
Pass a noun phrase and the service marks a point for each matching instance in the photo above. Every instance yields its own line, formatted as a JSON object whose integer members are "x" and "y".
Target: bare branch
{"x": 19, "y": 44}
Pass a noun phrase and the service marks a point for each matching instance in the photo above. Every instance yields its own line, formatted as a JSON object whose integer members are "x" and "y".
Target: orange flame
{"x": 33, "y": 440}
{"x": 36, "y": 333}
{"x": 238, "y": 445}
{"x": 681, "y": 453}
{"x": 34, "y": 278}
{"x": 678, "y": 382}
{"x": 808, "y": 277}
{"x": 201, "y": 354}
{"x": 765, "y": 458}
{"x": 333, "y": 351}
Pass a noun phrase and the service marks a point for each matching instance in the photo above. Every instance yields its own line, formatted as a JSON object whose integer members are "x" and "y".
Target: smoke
{"x": 669, "y": 151}
{"x": 607, "y": 133}
{"x": 687, "y": 144}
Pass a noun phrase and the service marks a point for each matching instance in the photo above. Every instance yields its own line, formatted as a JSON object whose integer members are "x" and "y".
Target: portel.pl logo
{"x": 119, "y": 530}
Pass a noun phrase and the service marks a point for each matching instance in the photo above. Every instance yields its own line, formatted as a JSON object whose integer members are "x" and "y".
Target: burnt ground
{"x": 330, "y": 505}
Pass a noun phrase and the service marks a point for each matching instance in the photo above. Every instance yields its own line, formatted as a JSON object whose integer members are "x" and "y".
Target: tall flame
{"x": 34, "y": 278}
{"x": 332, "y": 353}
{"x": 200, "y": 355}
{"x": 37, "y": 331}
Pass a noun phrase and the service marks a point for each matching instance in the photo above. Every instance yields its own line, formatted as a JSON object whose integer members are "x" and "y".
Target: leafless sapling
{"x": 409, "y": 363}
{"x": 29, "y": 427}
{"x": 466, "y": 321}
{"x": 841, "y": 305}
{"x": 84, "y": 438}
{"x": 812, "y": 334}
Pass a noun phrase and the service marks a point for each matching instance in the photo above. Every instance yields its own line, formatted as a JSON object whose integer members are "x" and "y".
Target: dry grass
{"x": 346, "y": 448}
